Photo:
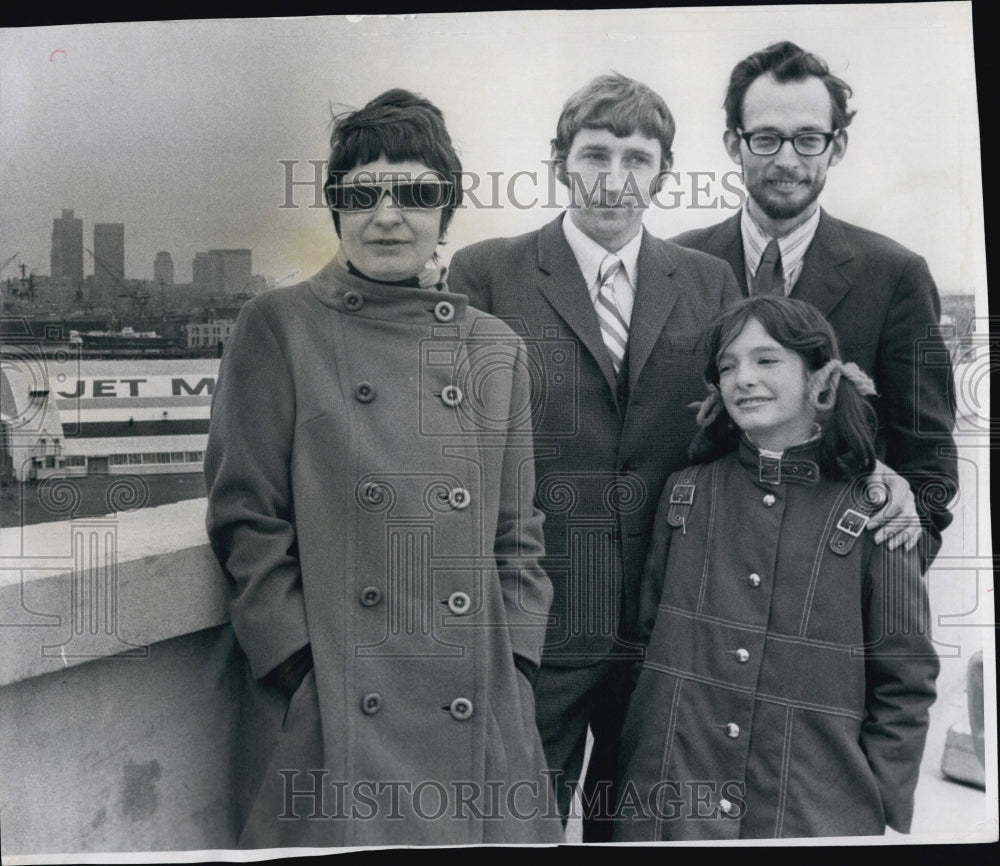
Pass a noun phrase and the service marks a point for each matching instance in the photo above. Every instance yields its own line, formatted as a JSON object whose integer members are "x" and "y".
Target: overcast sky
{"x": 177, "y": 129}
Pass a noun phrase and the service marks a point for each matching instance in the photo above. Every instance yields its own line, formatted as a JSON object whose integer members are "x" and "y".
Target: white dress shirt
{"x": 589, "y": 254}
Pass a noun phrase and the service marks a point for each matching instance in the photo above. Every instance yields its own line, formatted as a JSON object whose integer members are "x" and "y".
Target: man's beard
{"x": 784, "y": 209}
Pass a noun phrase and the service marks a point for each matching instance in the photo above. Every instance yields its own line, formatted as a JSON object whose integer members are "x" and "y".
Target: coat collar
{"x": 345, "y": 292}
{"x": 564, "y": 287}
{"x": 795, "y": 465}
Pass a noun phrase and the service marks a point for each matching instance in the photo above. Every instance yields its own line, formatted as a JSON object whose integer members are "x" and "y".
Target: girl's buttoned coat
{"x": 370, "y": 482}
{"x": 789, "y": 670}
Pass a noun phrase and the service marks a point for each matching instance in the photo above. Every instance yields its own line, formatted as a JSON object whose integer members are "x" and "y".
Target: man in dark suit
{"x": 786, "y": 119}
{"x": 611, "y": 316}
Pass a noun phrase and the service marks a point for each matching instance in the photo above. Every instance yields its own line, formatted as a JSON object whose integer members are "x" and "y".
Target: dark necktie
{"x": 769, "y": 279}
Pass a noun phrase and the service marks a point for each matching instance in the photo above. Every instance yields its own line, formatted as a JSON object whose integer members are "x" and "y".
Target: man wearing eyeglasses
{"x": 786, "y": 126}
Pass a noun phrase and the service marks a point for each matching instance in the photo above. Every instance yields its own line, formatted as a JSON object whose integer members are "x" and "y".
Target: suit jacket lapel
{"x": 727, "y": 243}
{"x": 655, "y": 297}
{"x": 563, "y": 286}
{"x": 825, "y": 278}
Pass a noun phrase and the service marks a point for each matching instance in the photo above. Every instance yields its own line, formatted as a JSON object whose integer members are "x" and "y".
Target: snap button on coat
{"x": 444, "y": 311}
{"x": 461, "y": 709}
{"x": 371, "y": 704}
{"x": 451, "y": 395}
{"x": 459, "y": 498}
{"x": 459, "y": 603}
{"x": 370, "y": 596}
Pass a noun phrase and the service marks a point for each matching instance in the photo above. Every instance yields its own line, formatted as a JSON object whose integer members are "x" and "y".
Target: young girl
{"x": 789, "y": 669}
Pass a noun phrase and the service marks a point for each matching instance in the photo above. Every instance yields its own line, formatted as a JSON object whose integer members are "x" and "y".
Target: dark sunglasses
{"x": 410, "y": 195}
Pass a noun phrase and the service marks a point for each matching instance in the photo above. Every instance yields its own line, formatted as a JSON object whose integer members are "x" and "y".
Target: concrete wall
{"x": 118, "y": 686}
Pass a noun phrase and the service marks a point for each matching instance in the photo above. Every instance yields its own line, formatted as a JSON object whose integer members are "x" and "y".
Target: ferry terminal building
{"x": 67, "y": 416}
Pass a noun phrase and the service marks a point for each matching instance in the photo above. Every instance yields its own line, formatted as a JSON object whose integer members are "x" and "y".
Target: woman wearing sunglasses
{"x": 370, "y": 482}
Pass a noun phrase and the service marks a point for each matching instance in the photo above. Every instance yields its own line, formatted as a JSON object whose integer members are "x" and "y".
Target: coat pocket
{"x": 304, "y": 694}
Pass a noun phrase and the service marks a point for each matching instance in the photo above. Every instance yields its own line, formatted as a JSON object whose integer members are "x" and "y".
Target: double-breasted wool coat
{"x": 789, "y": 670}
{"x": 370, "y": 483}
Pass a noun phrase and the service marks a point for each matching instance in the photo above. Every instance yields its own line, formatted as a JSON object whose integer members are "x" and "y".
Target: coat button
{"x": 371, "y": 704}
{"x": 353, "y": 301}
{"x": 732, "y": 730}
{"x": 371, "y": 596}
{"x": 725, "y": 806}
{"x": 754, "y": 580}
{"x": 461, "y": 709}
{"x": 769, "y": 500}
{"x": 459, "y": 603}
{"x": 459, "y": 498}
{"x": 364, "y": 392}
{"x": 451, "y": 395}
{"x": 742, "y": 656}
{"x": 444, "y": 311}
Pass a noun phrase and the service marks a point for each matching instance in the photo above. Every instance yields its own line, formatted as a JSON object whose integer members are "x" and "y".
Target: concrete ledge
{"x": 120, "y": 755}
{"x": 120, "y": 686}
{"x": 89, "y": 588}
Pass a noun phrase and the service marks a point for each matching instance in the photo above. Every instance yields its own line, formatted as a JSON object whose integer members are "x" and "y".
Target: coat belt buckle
{"x": 852, "y": 522}
{"x": 682, "y": 494}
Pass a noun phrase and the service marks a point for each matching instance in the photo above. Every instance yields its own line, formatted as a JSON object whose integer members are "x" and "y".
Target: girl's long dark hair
{"x": 848, "y": 438}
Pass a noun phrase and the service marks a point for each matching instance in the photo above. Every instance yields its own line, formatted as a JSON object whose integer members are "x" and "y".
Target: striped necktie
{"x": 614, "y": 328}
{"x": 769, "y": 279}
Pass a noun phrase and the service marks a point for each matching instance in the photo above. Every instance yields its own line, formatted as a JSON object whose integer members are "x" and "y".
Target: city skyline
{"x": 225, "y": 269}
{"x": 224, "y": 155}
{"x": 107, "y": 267}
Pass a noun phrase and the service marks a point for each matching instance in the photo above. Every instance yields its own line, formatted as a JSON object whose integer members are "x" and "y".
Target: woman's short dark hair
{"x": 848, "y": 446}
{"x": 400, "y": 126}
{"x": 786, "y": 62}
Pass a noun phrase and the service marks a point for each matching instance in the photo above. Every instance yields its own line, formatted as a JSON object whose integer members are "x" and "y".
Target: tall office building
{"x": 109, "y": 263}
{"x": 231, "y": 271}
{"x": 66, "y": 260}
{"x": 201, "y": 271}
{"x": 222, "y": 272}
{"x": 163, "y": 270}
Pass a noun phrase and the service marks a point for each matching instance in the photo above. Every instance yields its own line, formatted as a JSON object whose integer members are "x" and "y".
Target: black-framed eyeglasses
{"x": 805, "y": 143}
{"x": 409, "y": 195}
